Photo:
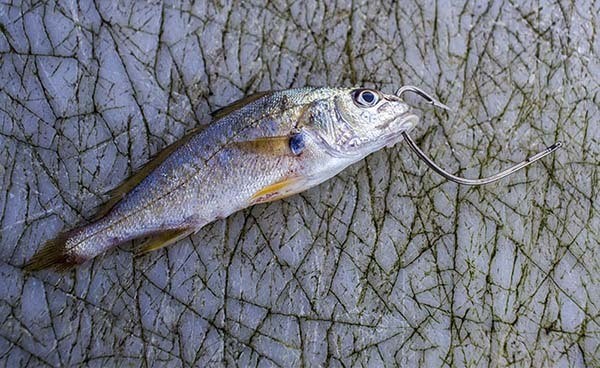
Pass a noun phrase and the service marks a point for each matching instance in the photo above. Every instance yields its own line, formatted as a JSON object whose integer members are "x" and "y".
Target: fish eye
{"x": 366, "y": 97}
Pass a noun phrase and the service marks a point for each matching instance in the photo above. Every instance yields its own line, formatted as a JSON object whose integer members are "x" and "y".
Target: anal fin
{"x": 163, "y": 239}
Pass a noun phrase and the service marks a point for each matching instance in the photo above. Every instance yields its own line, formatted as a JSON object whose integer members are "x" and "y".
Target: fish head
{"x": 356, "y": 122}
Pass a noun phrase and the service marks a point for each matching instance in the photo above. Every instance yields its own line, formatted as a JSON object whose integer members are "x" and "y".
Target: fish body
{"x": 262, "y": 148}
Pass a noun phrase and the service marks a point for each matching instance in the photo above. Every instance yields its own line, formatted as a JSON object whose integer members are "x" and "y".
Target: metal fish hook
{"x": 423, "y": 94}
{"x": 455, "y": 178}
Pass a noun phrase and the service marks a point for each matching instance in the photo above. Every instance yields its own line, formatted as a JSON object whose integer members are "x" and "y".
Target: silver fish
{"x": 262, "y": 148}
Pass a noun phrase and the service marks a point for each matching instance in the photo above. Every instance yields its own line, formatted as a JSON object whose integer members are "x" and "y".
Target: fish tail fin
{"x": 54, "y": 254}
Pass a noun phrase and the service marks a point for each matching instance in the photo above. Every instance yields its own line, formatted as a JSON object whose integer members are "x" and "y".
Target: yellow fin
{"x": 273, "y": 192}
{"x": 219, "y": 113}
{"x": 271, "y": 146}
{"x": 116, "y": 194}
{"x": 163, "y": 239}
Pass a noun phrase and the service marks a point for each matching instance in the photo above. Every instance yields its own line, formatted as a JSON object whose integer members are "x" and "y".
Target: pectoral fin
{"x": 269, "y": 146}
{"x": 285, "y": 145}
{"x": 163, "y": 239}
{"x": 279, "y": 190}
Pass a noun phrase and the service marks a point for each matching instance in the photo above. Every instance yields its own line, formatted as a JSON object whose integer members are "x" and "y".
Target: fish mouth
{"x": 390, "y": 134}
{"x": 401, "y": 124}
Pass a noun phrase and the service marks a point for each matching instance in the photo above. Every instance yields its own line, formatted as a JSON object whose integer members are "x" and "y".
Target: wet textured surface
{"x": 386, "y": 263}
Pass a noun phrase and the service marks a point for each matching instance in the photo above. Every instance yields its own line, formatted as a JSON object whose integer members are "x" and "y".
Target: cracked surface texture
{"x": 385, "y": 264}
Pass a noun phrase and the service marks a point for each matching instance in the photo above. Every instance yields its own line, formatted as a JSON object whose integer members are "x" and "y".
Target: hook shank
{"x": 481, "y": 181}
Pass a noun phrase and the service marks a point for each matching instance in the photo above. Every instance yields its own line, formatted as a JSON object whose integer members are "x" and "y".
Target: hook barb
{"x": 423, "y": 156}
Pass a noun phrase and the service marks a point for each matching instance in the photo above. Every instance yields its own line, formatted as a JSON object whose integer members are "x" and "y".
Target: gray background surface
{"x": 385, "y": 264}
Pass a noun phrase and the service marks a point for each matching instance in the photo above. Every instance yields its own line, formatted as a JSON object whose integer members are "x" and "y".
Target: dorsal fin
{"x": 219, "y": 113}
{"x": 117, "y": 193}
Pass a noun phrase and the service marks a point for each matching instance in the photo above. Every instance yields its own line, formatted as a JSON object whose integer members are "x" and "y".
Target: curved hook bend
{"x": 481, "y": 181}
{"x": 423, "y": 94}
